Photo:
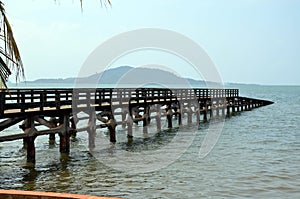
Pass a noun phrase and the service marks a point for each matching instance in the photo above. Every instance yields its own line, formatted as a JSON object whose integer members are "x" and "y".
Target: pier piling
{"x": 64, "y": 144}
{"x": 169, "y": 116}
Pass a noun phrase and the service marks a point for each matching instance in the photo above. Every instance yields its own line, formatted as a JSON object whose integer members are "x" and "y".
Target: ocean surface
{"x": 257, "y": 156}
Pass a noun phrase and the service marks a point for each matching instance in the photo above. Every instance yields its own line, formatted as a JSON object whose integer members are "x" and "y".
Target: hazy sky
{"x": 250, "y": 41}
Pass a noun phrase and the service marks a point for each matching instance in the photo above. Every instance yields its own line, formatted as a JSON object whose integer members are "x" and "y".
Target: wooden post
{"x": 158, "y": 117}
{"x": 223, "y": 108}
{"x": 197, "y": 113}
{"x": 73, "y": 126}
{"x": 53, "y": 121}
{"x": 211, "y": 111}
{"x": 146, "y": 119}
{"x": 228, "y": 109}
{"x": 28, "y": 127}
{"x": 179, "y": 113}
{"x": 247, "y": 105}
{"x": 175, "y": 112}
{"x": 169, "y": 116}
{"x": 145, "y": 124}
{"x": 242, "y": 105}
{"x": 233, "y": 106}
{"x": 64, "y": 144}
{"x": 136, "y": 112}
{"x": 57, "y": 100}
{"x": 30, "y": 149}
{"x": 112, "y": 129}
{"x": 218, "y": 109}
{"x": 92, "y": 130}
{"x": 129, "y": 127}
{"x": 205, "y": 111}
{"x": 110, "y": 123}
{"x": 189, "y": 114}
{"x": 23, "y": 102}
{"x": 124, "y": 112}
{"x": 148, "y": 114}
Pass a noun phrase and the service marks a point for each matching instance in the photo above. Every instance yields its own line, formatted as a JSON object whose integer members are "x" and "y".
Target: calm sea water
{"x": 256, "y": 156}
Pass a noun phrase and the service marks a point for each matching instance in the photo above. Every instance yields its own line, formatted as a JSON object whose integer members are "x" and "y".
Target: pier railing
{"x": 19, "y": 101}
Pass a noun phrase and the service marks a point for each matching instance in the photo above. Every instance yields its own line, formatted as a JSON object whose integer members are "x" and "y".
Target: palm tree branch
{"x": 10, "y": 51}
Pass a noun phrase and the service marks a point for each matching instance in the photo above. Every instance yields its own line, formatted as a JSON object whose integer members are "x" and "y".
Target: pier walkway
{"x": 60, "y": 110}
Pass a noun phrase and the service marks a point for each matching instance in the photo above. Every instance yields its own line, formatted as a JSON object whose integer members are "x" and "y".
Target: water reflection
{"x": 64, "y": 161}
{"x": 30, "y": 177}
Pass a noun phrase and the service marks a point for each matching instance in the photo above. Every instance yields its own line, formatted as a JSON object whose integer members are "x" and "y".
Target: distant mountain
{"x": 126, "y": 75}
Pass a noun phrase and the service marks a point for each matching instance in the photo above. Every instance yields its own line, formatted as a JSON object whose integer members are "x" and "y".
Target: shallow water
{"x": 257, "y": 155}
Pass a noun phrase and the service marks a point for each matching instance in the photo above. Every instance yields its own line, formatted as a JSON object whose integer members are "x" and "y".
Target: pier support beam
{"x": 217, "y": 108}
{"x": 189, "y": 114}
{"x": 124, "y": 112}
{"x": 247, "y": 106}
{"x": 205, "y": 113}
{"x": 169, "y": 116}
{"x": 204, "y": 108}
{"x": 211, "y": 111}
{"x": 110, "y": 123}
{"x": 53, "y": 122}
{"x": 179, "y": 113}
{"x": 136, "y": 113}
{"x": 223, "y": 108}
{"x": 158, "y": 117}
{"x": 64, "y": 144}
{"x": 30, "y": 149}
{"x": 112, "y": 129}
{"x": 92, "y": 130}
{"x": 197, "y": 111}
{"x": 28, "y": 142}
{"x": 73, "y": 126}
{"x": 10, "y": 122}
{"x": 198, "y": 117}
{"x": 233, "y": 107}
{"x": 228, "y": 109}
{"x": 145, "y": 124}
{"x": 129, "y": 127}
{"x": 146, "y": 119}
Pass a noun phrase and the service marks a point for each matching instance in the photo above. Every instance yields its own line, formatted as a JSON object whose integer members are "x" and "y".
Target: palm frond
{"x": 4, "y": 73}
{"x": 102, "y": 2}
{"x": 9, "y": 51}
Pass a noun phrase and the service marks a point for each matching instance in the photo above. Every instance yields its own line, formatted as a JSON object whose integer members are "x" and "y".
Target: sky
{"x": 249, "y": 41}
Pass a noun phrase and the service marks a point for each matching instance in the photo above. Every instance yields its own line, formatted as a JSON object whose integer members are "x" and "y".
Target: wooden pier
{"x": 59, "y": 110}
